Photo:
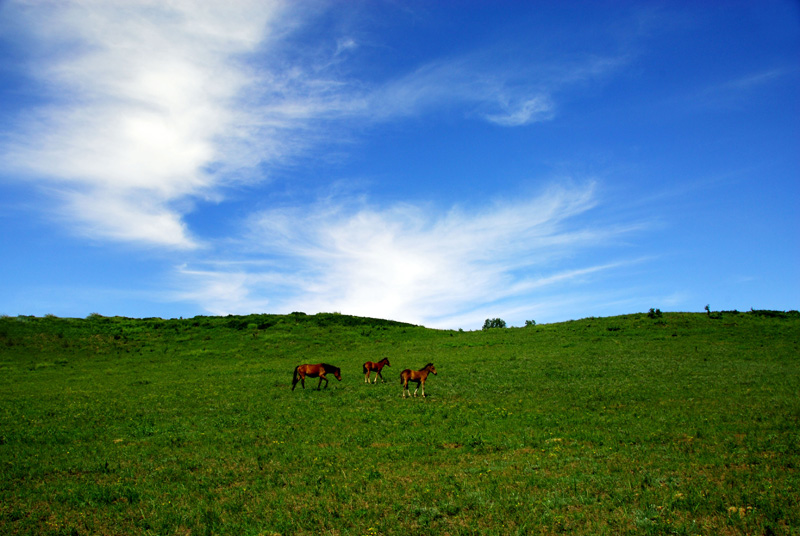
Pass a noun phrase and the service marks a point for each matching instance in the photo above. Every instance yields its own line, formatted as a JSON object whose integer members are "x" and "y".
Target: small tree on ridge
{"x": 494, "y": 323}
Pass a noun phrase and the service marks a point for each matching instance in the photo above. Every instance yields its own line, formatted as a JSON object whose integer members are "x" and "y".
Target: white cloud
{"x": 142, "y": 99}
{"x": 127, "y": 218}
{"x": 484, "y": 92}
{"x": 344, "y": 45}
{"x": 405, "y": 262}
{"x": 521, "y": 113}
{"x": 222, "y": 292}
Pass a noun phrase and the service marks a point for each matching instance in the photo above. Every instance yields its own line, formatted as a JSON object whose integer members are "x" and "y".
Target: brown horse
{"x": 314, "y": 371}
{"x": 369, "y": 366}
{"x": 416, "y": 376}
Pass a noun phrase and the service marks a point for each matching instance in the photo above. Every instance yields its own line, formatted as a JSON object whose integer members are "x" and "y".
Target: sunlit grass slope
{"x": 679, "y": 424}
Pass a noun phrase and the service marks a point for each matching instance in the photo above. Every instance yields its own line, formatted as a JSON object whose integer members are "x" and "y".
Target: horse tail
{"x": 294, "y": 376}
{"x": 364, "y": 368}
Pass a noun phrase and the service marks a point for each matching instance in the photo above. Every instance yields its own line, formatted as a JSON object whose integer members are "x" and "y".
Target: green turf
{"x": 678, "y": 424}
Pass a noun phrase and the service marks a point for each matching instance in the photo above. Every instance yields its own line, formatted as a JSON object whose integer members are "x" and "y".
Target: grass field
{"x": 679, "y": 424}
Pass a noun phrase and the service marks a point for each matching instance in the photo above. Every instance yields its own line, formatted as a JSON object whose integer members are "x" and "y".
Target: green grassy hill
{"x": 679, "y": 424}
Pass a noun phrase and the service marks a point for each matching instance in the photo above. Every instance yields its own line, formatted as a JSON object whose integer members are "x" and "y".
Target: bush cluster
{"x": 494, "y": 323}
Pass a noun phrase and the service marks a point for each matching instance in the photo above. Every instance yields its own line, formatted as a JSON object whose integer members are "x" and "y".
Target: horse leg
{"x": 366, "y": 378}
{"x": 295, "y": 377}
{"x": 405, "y": 388}
{"x": 302, "y": 380}
{"x": 381, "y": 375}
{"x": 423, "y": 389}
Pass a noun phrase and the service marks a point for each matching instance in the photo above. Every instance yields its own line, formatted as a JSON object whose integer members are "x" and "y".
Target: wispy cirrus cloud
{"x": 407, "y": 263}
{"x": 739, "y": 91}
{"x": 464, "y": 84}
{"x": 512, "y": 93}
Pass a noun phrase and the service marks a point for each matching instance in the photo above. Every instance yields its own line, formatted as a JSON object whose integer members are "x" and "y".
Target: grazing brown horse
{"x": 416, "y": 376}
{"x": 369, "y": 366}
{"x": 314, "y": 371}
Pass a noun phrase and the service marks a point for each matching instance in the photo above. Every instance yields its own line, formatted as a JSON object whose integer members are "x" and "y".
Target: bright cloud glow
{"x": 405, "y": 262}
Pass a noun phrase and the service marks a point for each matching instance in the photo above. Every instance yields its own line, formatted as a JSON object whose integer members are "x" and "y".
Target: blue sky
{"x": 438, "y": 163}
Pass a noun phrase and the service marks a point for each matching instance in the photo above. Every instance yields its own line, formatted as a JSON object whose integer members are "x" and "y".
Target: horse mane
{"x": 330, "y": 368}
{"x": 426, "y": 366}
